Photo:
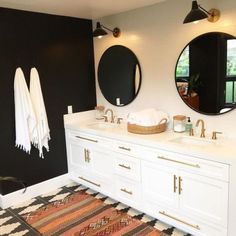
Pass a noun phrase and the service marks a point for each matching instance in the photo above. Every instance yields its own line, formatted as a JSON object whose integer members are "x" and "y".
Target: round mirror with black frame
{"x": 205, "y": 73}
{"x": 119, "y": 75}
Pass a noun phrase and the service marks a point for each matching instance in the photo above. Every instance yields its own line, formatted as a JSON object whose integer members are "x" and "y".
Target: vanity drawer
{"x": 96, "y": 182}
{"x": 190, "y": 164}
{"x": 127, "y": 148}
{"x": 128, "y": 191}
{"x": 88, "y": 139}
{"x": 127, "y": 166}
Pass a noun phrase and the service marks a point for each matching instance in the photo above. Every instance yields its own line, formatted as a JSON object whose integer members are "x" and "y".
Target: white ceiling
{"x": 88, "y": 9}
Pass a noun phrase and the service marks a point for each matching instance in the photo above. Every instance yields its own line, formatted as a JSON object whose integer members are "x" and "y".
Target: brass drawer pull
{"x": 181, "y": 221}
{"x": 124, "y": 166}
{"x": 89, "y": 181}
{"x": 126, "y": 191}
{"x": 180, "y": 186}
{"x": 175, "y": 187}
{"x": 179, "y": 162}
{"x": 124, "y": 148}
{"x": 87, "y": 139}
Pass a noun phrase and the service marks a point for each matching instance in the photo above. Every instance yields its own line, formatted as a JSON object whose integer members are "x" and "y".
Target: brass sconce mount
{"x": 214, "y": 15}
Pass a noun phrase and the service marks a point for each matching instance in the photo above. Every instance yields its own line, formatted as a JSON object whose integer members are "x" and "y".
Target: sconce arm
{"x": 211, "y": 14}
{"x": 106, "y": 28}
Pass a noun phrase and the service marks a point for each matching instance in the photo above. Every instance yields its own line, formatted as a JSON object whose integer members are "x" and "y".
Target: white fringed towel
{"x": 41, "y": 135}
{"x": 25, "y": 120}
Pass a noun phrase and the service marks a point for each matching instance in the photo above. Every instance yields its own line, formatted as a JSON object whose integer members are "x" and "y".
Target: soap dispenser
{"x": 188, "y": 125}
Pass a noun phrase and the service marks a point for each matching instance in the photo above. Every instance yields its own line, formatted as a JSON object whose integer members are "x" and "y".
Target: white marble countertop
{"x": 221, "y": 150}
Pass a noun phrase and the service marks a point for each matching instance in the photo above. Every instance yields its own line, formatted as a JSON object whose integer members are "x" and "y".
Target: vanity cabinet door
{"x": 189, "y": 200}
{"x": 204, "y": 198}
{"x": 90, "y": 163}
{"x": 92, "y": 158}
{"x": 102, "y": 162}
{"x": 79, "y": 155}
{"x": 159, "y": 185}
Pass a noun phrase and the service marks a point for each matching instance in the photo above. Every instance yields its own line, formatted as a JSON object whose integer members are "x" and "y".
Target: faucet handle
{"x": 105, "y": 118}
{"x": 214, "y": 133}
{"x": 191, "y": 132}
{"x": 119, "y": 119}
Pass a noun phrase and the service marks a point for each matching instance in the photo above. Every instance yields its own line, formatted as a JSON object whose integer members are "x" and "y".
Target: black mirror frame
{"x": 198, "y": 111}
{"x": 140, "y": 75}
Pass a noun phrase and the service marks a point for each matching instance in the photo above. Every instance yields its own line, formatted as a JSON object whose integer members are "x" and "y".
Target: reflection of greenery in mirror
{"x": 119, "y": 75}
{"x": 231, "y": 57}
{"x": 230, "y": 91}
{"x": 205, "y": 73}
{"x": 182, "y": 69}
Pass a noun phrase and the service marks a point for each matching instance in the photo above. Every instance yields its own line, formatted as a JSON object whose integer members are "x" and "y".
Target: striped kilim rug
{"x": 82, "y": 214}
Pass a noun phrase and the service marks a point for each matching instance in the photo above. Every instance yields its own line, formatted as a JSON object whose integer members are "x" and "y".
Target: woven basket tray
{"x": 138, "y": 129}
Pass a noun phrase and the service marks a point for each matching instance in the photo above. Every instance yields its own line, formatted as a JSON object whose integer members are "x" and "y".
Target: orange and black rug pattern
{"x": 75, "y": 210}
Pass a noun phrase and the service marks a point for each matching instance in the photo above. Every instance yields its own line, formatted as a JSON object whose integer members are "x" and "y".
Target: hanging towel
{"x": 25, "y": 120}
{"x": 41, "y": 136}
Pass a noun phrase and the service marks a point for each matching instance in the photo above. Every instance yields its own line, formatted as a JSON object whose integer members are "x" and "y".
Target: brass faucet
{"x": 202, "y": 129}
{"x": 112, "y": 114}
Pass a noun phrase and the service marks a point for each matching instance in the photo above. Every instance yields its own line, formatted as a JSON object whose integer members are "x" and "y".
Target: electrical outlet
{"x": 69, "y": 109}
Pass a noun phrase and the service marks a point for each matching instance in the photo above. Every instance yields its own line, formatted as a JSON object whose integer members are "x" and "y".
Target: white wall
{"x": 157, "y": 36}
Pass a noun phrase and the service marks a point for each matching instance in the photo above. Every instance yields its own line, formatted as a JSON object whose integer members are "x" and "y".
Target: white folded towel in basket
{"x": 147, "y": 117}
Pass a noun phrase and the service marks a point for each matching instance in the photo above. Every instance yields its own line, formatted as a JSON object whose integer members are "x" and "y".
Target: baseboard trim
{"x": 18, "y": 196}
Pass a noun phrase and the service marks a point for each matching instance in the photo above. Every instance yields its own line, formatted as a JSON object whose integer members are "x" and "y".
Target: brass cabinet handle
{"x": 179, "y": 162}
{"x": 124, "y": 148}
{"x": 181, "y": 221}
{"x": 85, "y": 154}
{"x": 124, "y": 166}
{"x": 88, "y": 156}
{"x": 126, "y": 191}
{"x": 175, "y": 187}
{"x": 89, "y": 181}
{"x": 180, "y": 185}
{"x": 87, "y": 139}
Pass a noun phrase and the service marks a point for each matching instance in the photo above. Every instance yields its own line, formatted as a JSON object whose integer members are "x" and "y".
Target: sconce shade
{"x": 195, "y": 14}
{"x": 99, "y": 31}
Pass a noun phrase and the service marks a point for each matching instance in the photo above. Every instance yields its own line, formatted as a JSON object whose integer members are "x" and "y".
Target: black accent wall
{"x": 61, "y": 48}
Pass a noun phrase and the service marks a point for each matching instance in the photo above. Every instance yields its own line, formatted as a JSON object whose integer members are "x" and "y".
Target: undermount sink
{"x": 101, "y": 125}
{"x": 193, "y": 141}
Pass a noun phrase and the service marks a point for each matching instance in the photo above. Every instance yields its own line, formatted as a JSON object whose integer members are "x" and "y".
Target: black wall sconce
{"x": 198, "y": 13}
{"x": 99, "y": 31}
